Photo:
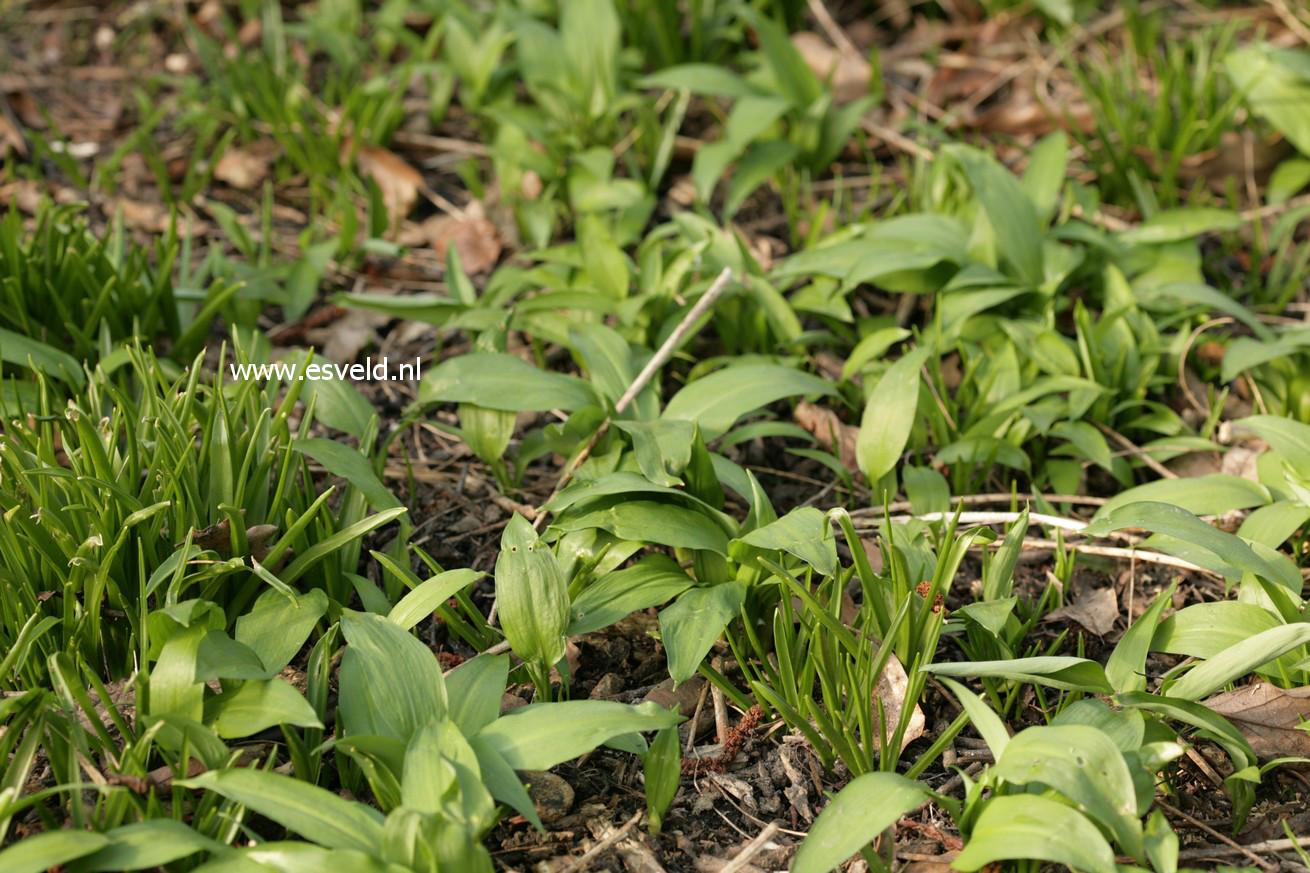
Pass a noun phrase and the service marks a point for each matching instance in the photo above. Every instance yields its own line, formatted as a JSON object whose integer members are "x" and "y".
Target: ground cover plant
{"x": 861, "y": 436}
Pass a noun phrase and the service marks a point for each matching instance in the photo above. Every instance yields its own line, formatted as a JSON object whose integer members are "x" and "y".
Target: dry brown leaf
{"x": 891, "y": 690}
{"x": 397, "y": 180}
{"x": 1269, "y": 717}
{"x": 11, "y": 138}
{"x": 473, "y": 236}
{"x": 246, "y": 167}
{"x": 1094, "y": 610}
{"x": 851, "y": 73}
{"x": 824, "y": 424}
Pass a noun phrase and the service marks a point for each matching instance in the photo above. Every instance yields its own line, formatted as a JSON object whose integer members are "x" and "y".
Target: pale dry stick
{"x": 695, "y": 720}
{"x": 1137, "y": 451}
{"x": 659, "y": 359}
{"x": 1072, "y": 525}
{"x": 1279, "y": 845}
{"x": 997, "y": 497}
{"x": 1227, "y": 841}
{"x": 604, "y": 845}
{"x": 752, "y": 849}
{"x": 832, "y": 28}
{"x": 1113, "y": 552}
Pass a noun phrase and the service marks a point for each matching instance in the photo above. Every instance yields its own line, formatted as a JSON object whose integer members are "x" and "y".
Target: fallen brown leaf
{"x": 473, "y": 236}
{"x": 850, "y": 73}
{"x": 824, "y": 424}
{"x": 1269, "y": 717}
{"x": 891, "y": 690}
{"x": 1094, "y": 610}
{"x": 397, "y": 180}
{"x": 246, "y": 167}
{"x": 11, "y": 138}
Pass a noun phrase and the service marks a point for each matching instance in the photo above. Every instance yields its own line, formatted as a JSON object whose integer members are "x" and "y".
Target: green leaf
{"x": 1026, "y": 826}
{"x": 1275, "y": 89}
{"x": 314, "y": 813}
{"x": 802, "y": 533}
{"x": 666, "y": 524}
{"x": 426, "y": 597}
{"x": 1008, "y": 208}
{"x": 151, "y": 843}
{"x": 260, "y": 704}
{"x": 889, "y": 416}
{"x": 1203, "y": 630}
{"x": 337, "y": 403}
{"x": 1287, "y": 437}
{"x": 391, "y": 684}
{"x": 1057, "y": 671}
{"x": 542, "y": 735}
{"x": 857, "y": 814}
{"x": 275, "y": 628}
{"x": 1161, "y": 843}
{"x": 694, "y": 621}
{"x": 341, "y": 460}
{"x": 1126, "y": 667}
{"x": 716, "y": 401}
{"x": 20, "y": 350}
{"x": 708, "y": 80}
{"x": 1084, "y": 765}
{"x": 1236, "y": 661}
{"x": 333, "y": 543}
{"x": 755, "y": 168}
{"x": 653, "y": 580}
{"x": 1175, "y": 225}
{"x": 1177, "y": 522}
{"x": 1043, "y": 179}
{"x": 1214, "y": 494}
{"x": 502, "y": 381}
{"x": 662, "y": 769}
{"x": 984, "y": 718}
{"x": 50, "y": 849}
{"x": 663, "y": 448}
{"x": 474, "y": 690}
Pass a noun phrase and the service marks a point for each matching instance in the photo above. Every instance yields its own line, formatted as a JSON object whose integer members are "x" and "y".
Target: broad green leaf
{"x": 1177, "y": 522}
{"x": 314, "y": 813}
{"x": 1288, "y": 437}
{"x": 39, "y": 853}
{"x": 1161, "y": 843}
{"x": 430, "y": 308}
{"x": 1057, "y": 671}
{"x": 1203, "y": 630}
{"x": 501, "y": 381}
{"x": 1274, "y": 87}
{"x": 691, "y": 624}
{"x": 333, "y": 543}
{"x": 1084, "y": 765}
{"x": 1044, "y": 177}
{"x": 653, "y": 580}
{"x": 754, "y": 169}
{"x": 337, "y": 403}
{"x": 709, "y": 80}
{"x": 391, "y": 684}
{"x": 260, "y": 704}
{"x": 287, "y": 856}
{"x": 144, "y": 844}
{"x": 1214, "y": 494}
{"x": 1126, "y": 667}
{"x": 221, "y": 657}
{"x": 854, "y": 817}
{"x": 421, "y": 602}
{"x": 1272, "y": 525}
{"x": 501, "y": 780}
{"x": 1008, "y": 208}
{"x": 276, "y": 628}
{"x": 889, "y": 416}
{"x": 1174, "y": 225}
{"x": 663, "y": 448}
{"x": 665, "y": 524}
{"x": 1236, "y": 661}
{"x": 984, "y": 718}
{"x": 803, "y": 533}
{"x": 718, "y": 400}
{"x": 20, "y": 350}
{"x": 540, "y": 736}
{"x": 474, "y": 690}
{"x": 872, "y": 347}
{"x": 1030, "y": 827}
{"x": 341, "y": 460}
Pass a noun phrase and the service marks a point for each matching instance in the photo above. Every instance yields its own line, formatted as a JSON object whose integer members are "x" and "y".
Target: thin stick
{"x": 1280, "y": 845}
{"x": 752, "y": 849}
{"x": 660, "y": 358}
{"x": 998, "y": 497}
{"x": 1118, "y": 552}
{"x": 604, "y": 845}
{"x": 1137, "y": 450}
{"x": 1200, "y": 825}
{"x": 666, "y": 350}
